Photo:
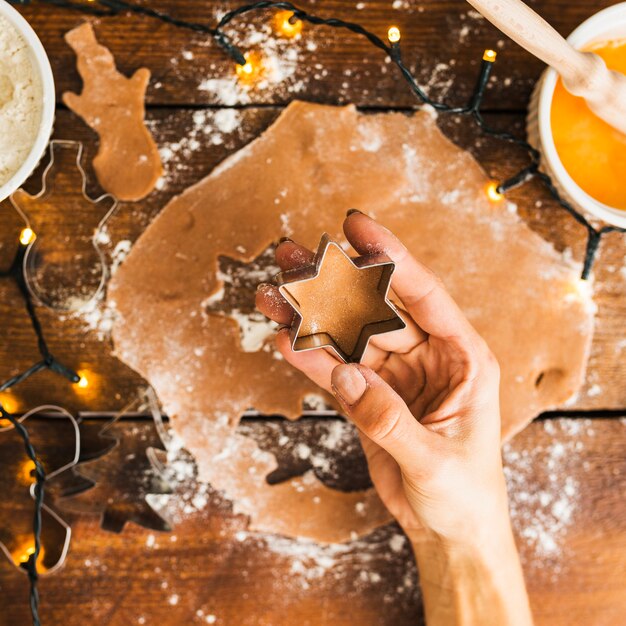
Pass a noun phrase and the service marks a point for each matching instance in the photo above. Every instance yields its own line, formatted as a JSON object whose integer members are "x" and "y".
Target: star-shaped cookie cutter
{"x": 323, "y": 339}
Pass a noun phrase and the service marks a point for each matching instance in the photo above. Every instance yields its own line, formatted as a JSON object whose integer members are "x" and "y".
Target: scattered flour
{"x": 278, "y": 62}
{"x": 207, "y": 128}
{"x": 336, "y": 564}
{"x": 96, "y": 314}
{"x": 21, "y": 101}
{"x": 255, "y": 330}
{"x": 120, "y": 252}
{"x": 541, "y": 518}
{"x": 179, "y": 471}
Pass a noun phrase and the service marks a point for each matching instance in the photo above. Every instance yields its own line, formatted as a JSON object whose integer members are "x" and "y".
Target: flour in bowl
{"x": 21, "y": 100}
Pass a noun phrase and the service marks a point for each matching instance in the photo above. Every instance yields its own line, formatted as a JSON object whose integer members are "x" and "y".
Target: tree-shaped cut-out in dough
{"x": 121, "y": 480}
{"x": 128, "y": 164}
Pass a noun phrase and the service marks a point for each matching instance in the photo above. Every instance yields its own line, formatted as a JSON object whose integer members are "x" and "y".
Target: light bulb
{"x": 393, "y": 34}
{"x": 583, "y": 287}
{"x": 492, "y": 192}
{"x": 26, "y": 554}
{"x": 9, "y": 403}
{"x": 26, "y": 472}
{"x": 83, "y": 379}
{"x": 252, "y": 70}
{"x": 27, "y": 236}
{"x": 489, "y": 55}
{"x": 22, "y": 554}
{"x": 286, "y": 24}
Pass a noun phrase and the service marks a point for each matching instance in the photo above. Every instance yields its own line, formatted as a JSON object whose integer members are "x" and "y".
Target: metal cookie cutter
{"x": 312, "y": 294}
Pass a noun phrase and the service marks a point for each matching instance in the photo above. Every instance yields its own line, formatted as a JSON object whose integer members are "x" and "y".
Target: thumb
{"x": 379, "y": 412}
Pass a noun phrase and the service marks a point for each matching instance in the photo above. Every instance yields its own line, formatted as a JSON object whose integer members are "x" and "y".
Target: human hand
{"x": 426, "y": 404}
{"x": 425, "y": 400}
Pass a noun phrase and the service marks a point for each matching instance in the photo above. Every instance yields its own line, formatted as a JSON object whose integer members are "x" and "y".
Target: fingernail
{"x": 348, "y": 383}
{"x": 351, "y": 211}
{"x": 284, "y": 239}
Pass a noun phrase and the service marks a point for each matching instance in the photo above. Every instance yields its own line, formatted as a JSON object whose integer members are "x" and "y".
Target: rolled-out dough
{"x": 128, "y": 164}
{"x": 301, "y": 176}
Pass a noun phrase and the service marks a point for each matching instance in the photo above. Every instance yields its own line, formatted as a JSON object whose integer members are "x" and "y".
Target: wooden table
{"x": 567, "y": 471}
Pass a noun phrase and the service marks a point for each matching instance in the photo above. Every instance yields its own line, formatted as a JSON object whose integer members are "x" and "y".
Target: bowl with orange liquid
{"x": 585, "y": 157}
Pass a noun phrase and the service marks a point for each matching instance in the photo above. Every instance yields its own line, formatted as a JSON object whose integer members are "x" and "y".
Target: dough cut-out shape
{"x": 312, "y": 165}
{"x": 64, "y": 268}
{"x": 128, "y": 164}
{"x": 340, "y": 302}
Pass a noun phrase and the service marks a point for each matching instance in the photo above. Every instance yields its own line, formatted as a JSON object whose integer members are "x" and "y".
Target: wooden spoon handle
{"x": 532, "y": 32}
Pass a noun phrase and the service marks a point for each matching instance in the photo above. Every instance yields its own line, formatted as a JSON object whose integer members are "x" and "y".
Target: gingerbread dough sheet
{"x": 128, "y": 164}
{"x": 301, "y": 176}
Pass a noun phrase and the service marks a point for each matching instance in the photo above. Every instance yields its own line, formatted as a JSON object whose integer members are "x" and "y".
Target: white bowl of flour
{"x": 27, "y": 100}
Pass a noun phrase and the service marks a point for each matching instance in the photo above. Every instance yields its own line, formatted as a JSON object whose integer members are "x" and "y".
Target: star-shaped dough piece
{"x": 340, "y": 302}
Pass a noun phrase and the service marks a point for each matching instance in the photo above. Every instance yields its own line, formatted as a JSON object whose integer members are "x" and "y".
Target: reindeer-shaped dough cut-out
{"x": 127, "y": 164}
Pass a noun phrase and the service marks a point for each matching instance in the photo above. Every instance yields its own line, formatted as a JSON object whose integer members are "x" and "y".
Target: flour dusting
{"x": 542, "y": 517}
{"x": 205, "y": 128}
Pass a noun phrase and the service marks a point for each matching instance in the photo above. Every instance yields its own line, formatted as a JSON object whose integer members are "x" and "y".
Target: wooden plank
{"x": 567, "y": 482}
{"x": 191, "y": 154}
{"x": 443, "y": 42}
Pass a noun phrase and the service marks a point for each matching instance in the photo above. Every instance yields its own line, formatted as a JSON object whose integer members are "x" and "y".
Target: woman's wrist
{"x": 470, "y": 582}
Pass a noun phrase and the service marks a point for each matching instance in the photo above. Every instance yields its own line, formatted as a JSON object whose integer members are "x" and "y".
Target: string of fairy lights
{"x": 288, "y": 22}
{"x": 47, "y": 362}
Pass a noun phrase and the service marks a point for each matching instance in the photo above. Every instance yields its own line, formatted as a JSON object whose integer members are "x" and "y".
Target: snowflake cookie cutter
{"x": 57, "y": 241}
{"x": 16, "y": 532}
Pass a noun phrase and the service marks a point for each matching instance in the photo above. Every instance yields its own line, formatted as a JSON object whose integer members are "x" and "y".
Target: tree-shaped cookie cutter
{"x": 122, "y": 480}
{"x": 64, "y": 268}
{"x": 16, "y": 531}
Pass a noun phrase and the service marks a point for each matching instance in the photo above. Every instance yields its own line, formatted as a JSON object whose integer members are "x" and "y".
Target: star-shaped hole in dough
{"x": 340, "y": 302}
{"x": 235, "y": 297}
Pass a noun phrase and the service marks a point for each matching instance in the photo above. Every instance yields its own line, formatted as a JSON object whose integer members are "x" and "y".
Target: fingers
{"x": 420, "y": 291}
{"x": 403, "y": 340}
{"x": 380, "y": 413}
{"x": 269, "y": 301}
{"x": 289, "y": 255}
{"x": 318, "y": 365}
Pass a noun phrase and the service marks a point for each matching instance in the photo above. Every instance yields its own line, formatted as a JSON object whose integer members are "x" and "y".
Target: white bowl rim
{"x": 42, "y": 64}
{"x": 585, "y": 33}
